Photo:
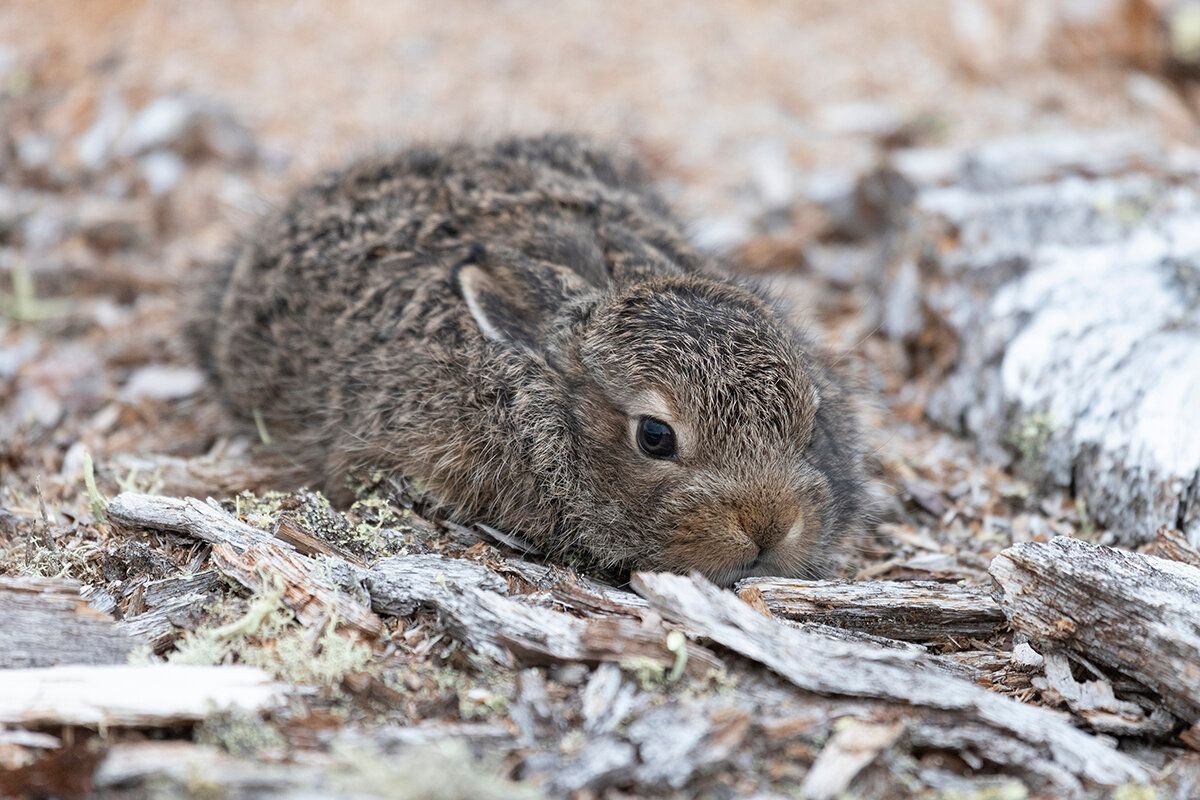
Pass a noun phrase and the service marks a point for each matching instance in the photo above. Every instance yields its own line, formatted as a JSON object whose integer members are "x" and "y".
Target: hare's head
{"x": 694, "y": 428}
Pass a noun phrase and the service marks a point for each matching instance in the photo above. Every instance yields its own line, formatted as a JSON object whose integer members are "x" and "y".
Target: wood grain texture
{"x": 1137, "y": 614}
{"x": 44, "y": 622}
{"x": 918, "y": 611}
{"x": 829, "y": 666}
{"x": 128, "y": 695}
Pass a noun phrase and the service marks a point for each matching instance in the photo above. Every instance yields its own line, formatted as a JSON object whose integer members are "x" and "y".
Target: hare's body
{"x": 498, "y": 323}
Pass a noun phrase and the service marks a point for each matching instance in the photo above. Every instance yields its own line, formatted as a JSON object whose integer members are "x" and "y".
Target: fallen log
{"x": 1060, "y": 275}
{"x": 1137, "y": 614}
{"x": 154, "y": 695}
{"x": 915, "y": 611}
{"x": 829, "y": 666}
{"x": 45, "y": 622}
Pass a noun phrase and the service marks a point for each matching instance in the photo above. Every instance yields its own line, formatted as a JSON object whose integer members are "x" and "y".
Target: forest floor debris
{"x": 267, "y": 643}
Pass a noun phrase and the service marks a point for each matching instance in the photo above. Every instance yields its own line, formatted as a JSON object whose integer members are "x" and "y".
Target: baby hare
{"x": 522, "y": 329}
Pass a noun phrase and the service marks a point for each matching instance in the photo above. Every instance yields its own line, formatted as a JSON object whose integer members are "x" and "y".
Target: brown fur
{"x": 346, "y": 323}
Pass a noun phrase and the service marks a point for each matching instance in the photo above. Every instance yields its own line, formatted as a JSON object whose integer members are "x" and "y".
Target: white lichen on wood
{"x": 1070, "y": 277}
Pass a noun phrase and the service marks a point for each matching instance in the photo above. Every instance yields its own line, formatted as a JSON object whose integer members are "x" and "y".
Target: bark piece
{"x": 700, "y": 737}
{"x": 917, "y": 611}
{"x": 852, "y": 747}
{"x": 253, "y": 558}
{"x": 399, "y": 584}
{"x": 1096, "y": 703}
{"x": 292, "y": 532}
{"x": 576, "y": 592}
{"x": 510, "y": 631}
{"x": 173, "y": 605}
{"x": 829, "y": 666}
{"x": 45, "y": 622}
{"x": 314, "y": 600}
{"x": 1172, "y": 544}
{"x": 1133, "y": 613}
{"x": 607, "y": 700}
{"x": 131, "y": 696}
{"x": 603, "y": 762}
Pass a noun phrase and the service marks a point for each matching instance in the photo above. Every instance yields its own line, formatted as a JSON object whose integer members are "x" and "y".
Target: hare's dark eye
{"x": 655, "y": 438}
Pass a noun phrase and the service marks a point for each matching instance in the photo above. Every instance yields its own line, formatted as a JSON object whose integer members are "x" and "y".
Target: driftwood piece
{"x": 1066, "y": 275}
{"x": 251, "y": 557}
{"x": 503, "y": 627}
{"x": 1134, "y": 613}
{"x": 185, "y": 515}
{"x": 829, "y": 666}
{"x": 45, "y": 622}
{"x": 916, "y": 611}
{"x": 131, "y": 696}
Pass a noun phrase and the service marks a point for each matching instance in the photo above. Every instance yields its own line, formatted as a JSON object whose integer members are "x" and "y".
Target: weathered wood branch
{"x": 185, "y": 515}
{"x": 917, "y": 611}
{"x": 1137, "y": 614}
{"x": 251, "y": 557}
{"x": 45, "y": 622}
{"x": 469, "y": 597}
{"x": 314, "y": 600}
{"x": 829, "y": 666}
{"x": 149, "y": 696}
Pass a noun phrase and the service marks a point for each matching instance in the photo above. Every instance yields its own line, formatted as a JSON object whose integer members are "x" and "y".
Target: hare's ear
{"x": 491, "y": 306}
{"x": 514, "y": 305}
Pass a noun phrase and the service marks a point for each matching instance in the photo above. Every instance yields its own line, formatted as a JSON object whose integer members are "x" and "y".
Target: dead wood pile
{"x": 1126, "y": 620}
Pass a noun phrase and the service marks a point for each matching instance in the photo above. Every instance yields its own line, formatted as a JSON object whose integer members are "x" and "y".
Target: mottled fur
{"x": 491, "y": 321}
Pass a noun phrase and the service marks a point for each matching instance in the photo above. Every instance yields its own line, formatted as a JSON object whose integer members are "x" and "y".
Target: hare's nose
{"x": 766, "y": 532}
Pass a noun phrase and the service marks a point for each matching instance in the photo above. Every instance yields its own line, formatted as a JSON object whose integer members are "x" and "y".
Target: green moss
{"x": 1031, "y": 436}
{"x": 1007, "y": 790}
{"x": 268, "y": 636}
{"x": 241, "y": 735}
{"x": 1135, "y": 791}
{"x": 99, "y": 502}
{"x": 441, "y": 771}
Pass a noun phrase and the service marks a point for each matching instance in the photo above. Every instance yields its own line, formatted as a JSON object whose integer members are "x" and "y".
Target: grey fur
{"x": 345, "y": 321}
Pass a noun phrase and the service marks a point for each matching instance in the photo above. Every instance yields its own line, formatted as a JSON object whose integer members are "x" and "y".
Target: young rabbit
{"x": 522, "y": 329}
